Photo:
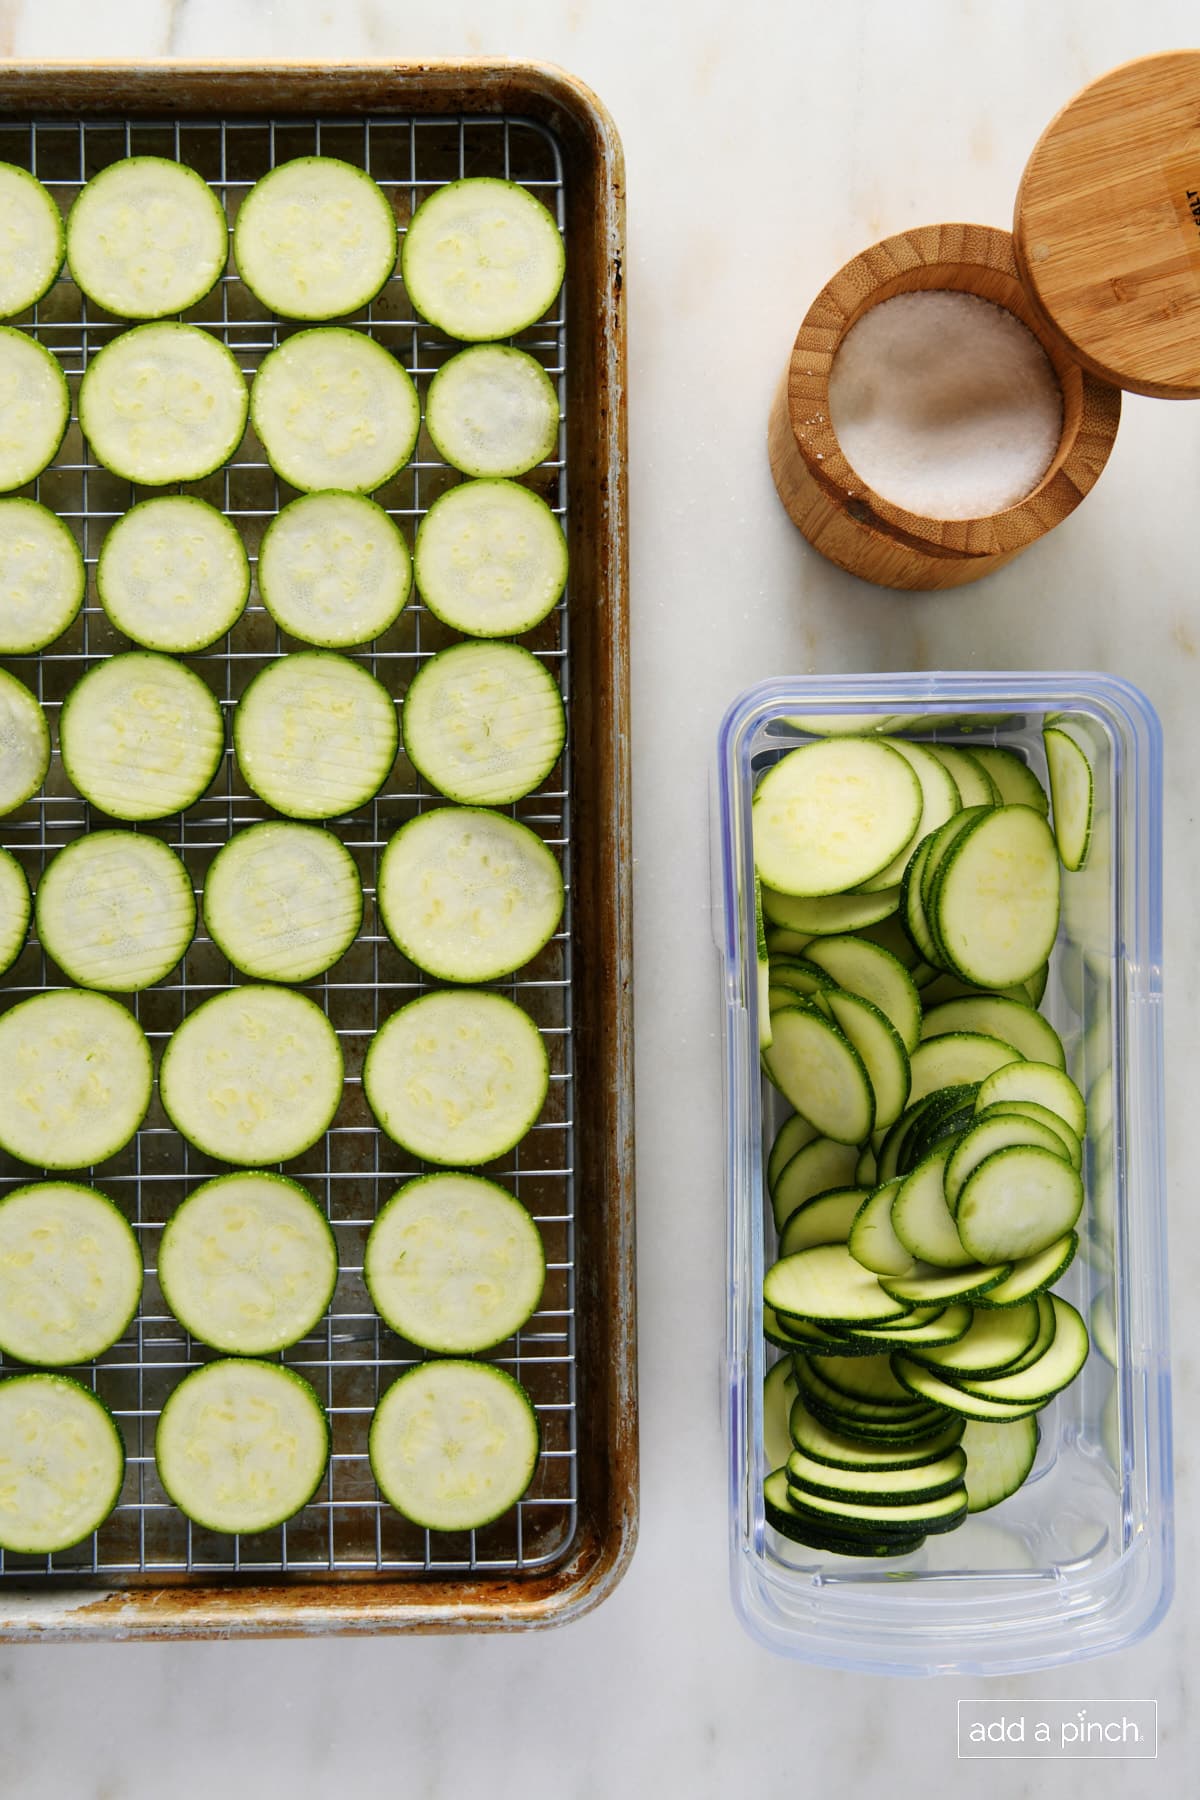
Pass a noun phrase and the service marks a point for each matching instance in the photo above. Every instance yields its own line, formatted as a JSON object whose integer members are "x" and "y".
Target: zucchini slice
{"x": 454, "y": 1264}
{"x": 334, "y": 409}
{"x": 484, "y": 723}
{"x": 1017, "y": 1202}
{"x": 163, "y": 403}
{"x": 141, "y": 736}
{"x": 1012, "y": 1021}
{"x": 996, "y": 897}
{"x": 932, "y": 1285}
{"x": 825, "y": 1219}
{"x": 173, "y": 574}
{"x": 24, "y": 744}
{"x": 826, "y": 1284}
{"x": 816, "y": 1168}
{"x": 70, "y": 1274}
{"x": 815, "y": 1067}
{"x": 872, "y": 1240}
{"x": 1054, "y": 1369}
{"x": 879, "y": 1487}
{"x": 832, "y": 814}
{"x": 283, "y": 901}
{"x": 253, "y": 1076}
{"x": 35, "y": 240}
{"x": 454, "y": 1444}
{"x": 457, "y": 1077}
{"x": 315, "y": 238}
{"x": 956, "y": 1059}
{"x": 795, "y": 1132}
{"x": 836, "y": 1539}
{"x": 492, "y": 410}
{"x": 879, "y": 1045}
{"x": 1043, "y": 1083}
{"x": 930, "y": 1386}
{"x": 819, "y": 1444}
{"x": 62, "y": 1463}
{"x": 482, "y": 259}
{"x": 116, "y": 910}
{"x": 873, "y": 973}
{"x": 921, "y": 1218}
{"x": 985, "y": 1137}
{"x": 1033, "y": 1274}
{"x": 1071, "y": 789}
{"x": 333, "y": 570}
{"x": 828, "y": 915}
{"x": 890, "y": 1518}
{"x": 42, "y": 577}
{"x": 974, "y": 784}
{"x": 35, "y": 408}
{"x": 242, "y": 1446}
{"x": 77, "y": 1078}
{"x": 999, "y": 1457}
{"x": 1039, "y": 1115}
{"x": 1014, "y": 780}
{"x": 995, "y": 1341}
{"x": 248, "y": 1263}
{"x": 779, "y": 1394}
{"x": 469, "y": 895}
{"x": 939, "y": 801}
{"x": 315, "y": 735}
{"x": 146, "y": 237}
{"x": 491, "y": 559}
{"x": 938, "y": 1324}
{"x": 16, "y": 908}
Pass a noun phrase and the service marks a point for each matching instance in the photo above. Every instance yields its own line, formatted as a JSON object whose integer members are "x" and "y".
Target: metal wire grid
{"x": 352, "y": 1357}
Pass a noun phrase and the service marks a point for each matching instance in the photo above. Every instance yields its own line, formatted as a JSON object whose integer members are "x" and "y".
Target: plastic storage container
{"x": 1080, "y": 1561}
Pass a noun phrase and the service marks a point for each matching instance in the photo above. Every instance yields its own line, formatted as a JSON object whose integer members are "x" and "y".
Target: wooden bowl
{"x": 839, "y": 514}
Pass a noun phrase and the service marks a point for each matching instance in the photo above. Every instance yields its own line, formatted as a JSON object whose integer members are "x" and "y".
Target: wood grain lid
{"x": 1107, "y": 226}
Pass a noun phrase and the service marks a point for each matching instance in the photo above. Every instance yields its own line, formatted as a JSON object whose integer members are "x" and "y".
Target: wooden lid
{"x": 1107, "y": 226}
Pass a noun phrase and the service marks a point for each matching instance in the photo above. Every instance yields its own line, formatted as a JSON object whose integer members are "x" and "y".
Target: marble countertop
{"x": 765, "y": 144}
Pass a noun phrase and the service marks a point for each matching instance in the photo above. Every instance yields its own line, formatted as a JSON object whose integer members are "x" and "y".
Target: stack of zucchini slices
{"x": 927, "y": 1187}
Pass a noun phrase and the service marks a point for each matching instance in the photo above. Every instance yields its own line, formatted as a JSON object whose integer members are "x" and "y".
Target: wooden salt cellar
{"x": 1103, "y": 267}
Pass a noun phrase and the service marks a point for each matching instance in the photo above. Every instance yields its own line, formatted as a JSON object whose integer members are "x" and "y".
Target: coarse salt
{"x": 945, "y": 404}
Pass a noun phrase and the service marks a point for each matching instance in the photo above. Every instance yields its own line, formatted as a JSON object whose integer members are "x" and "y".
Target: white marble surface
{"x": 766, "y": 142}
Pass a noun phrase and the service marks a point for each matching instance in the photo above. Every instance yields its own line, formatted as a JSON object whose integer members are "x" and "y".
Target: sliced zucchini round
{"x": 984, "y": 1137}
{"x": 492, "y": 410}
{"x": 163, "y": 403}
{"x": 816, "y": 1168}
{"x": 872, "y": 1240}
{"x": 995, "y": 899}
{"x": 880, "y": 1047}
{"x": 940, "y": 799}
{"x": 921, "y": 1217}
{"x": 825, "y": 1283}
{"x": 141, "y": 736}
{"x": 315, "y": 238}
{"x": 253, "y": 1076}
{"x": 832, "y": 814}
{"x": 992, "y": 1015}
{"x": 248, "y": 1263}
{"x": 70, "y": 1274}
{"x": 1043, "y": 1083}
{"x": 454, "y": 1444}
{"x": 242, "y": 1446}
{"x": 469, "y": 895}
{"x": 1033, "y": 1274}
{"x": 999, "y": 1457}
{"x": 24, "y": 743}
{"x": 1012, "y": 777}
{"x": 173, "y": 574}
{"x": 334, "y": 409}
{"x": 116, "y": 910}
{"x": 815, "y": 1067}
{"x": 824, "y": 1219}
{"x": 35, "y": 241}
{"x": 830, "y": 914}
{"x": 62, "y": 1463}
{"x": 454, "y": 1264}
{"x": 315, "y": 735}
{"x": 15, "y": 909}
{"x": 1017, "y": 1202}
{"x": 35, "y": 408}
{"x": 457, "y": 1078}
{"x": 491, "y": 558}
{"x": 482, "y": 259}
{"x": 795, "y": 1132}
{"x": 930, "y": 1386}
{"x": 874, "y": 974}
{"x": 334, "y": 570}
{"x": 79, "y": 1079}
{"x": 975, "y": 786}
{"x": 484, "y": 723}
{"x": 42, "y": 577}
{"x": 955, "y": 1059}
{"x": 1071, "y": 789}
{"x": 283, "y": 901}
{"x": 146, "y": 237}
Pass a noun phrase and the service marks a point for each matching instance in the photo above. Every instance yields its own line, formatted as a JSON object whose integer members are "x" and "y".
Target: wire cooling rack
{"x": 352, "y": 1357}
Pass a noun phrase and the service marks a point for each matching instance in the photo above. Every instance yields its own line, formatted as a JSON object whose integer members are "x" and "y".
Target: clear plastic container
{"x": 1080, "y": 1561}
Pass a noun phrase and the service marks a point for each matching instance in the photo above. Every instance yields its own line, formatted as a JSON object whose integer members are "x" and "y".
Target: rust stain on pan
{"x": 603, "y": 1543}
